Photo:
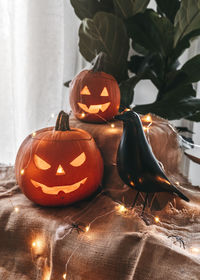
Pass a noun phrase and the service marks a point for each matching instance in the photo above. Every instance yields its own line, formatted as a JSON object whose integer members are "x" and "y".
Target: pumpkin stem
{"x": 62, "y": 123}
{"x": 99, "y": 62}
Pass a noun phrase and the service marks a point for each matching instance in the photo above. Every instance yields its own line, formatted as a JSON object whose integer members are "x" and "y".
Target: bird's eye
{"x": 40, "y": 163}
{"x": 78, "y": 161}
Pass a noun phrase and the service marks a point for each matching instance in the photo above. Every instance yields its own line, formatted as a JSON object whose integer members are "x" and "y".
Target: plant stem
{"x": 62, "y": 122}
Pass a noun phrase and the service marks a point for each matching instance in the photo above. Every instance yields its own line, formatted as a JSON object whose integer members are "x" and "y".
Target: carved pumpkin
{"x": 58, "y": 166}
{"x": 94, "y": 95}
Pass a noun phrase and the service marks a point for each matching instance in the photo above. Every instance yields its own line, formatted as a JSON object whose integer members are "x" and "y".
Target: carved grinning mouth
{"x": 56, "y": 189}
{"x": 94, "y": 109}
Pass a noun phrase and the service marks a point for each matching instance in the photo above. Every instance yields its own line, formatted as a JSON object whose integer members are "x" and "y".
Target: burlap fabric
{"x": 118, "y": 246}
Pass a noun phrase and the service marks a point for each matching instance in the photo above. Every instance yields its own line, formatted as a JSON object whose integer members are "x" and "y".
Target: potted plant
{"x": 155, "y": 40}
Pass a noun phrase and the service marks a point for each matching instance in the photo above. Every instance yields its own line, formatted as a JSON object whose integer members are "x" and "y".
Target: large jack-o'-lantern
{"x": 94, "y": 95}
{"x": 59, "y": 166}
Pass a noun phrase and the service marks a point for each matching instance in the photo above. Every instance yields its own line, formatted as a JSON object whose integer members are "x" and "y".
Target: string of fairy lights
{"x": 38, "y": 243}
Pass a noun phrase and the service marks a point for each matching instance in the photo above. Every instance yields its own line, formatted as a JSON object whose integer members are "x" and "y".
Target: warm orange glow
{"x": 36, "y": 244}
{"x": 94, "y": 109}
{"x": 65, "y": 276}
{"x": 47, "y": 274}
{"x": 140, "y": 180}
{"x": 157, "y": 219}
{"x": 83, "y": 115}
{"x": 121, "y": 208}
{"x": 104, "y": 92}
{"x": 162, "y": 180}
{"x": 78, "y": 161}
{"x": 147, "y": 118}
{"x": 145, "y": 128}
{"x": 195, "y": 250}
{"x": 16, "y": 209}
{"x": 22, "y": 172}
{"x": 60, "y": 170}
{"x": 112, "y": 125}
{"x": 40, "y": 163}
{"x": 85, "y": 91}
{"x": 56, "y": 189}
{"x": 33, "y": 134}
{"x": 87, "y": 229}
{"x": 132, "y": 183}
{"x": 127, "y": 109}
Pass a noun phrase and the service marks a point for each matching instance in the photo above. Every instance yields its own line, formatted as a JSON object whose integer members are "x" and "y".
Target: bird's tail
{"x": 181, "y": 195}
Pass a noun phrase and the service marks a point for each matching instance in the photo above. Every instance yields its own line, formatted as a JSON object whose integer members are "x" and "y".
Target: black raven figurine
{"x": 136, "y": 163}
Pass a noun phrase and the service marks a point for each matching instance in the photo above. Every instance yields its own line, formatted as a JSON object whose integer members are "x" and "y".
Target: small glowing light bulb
{"x": 147, "y": 118}
{"x": 34, "y": 134}
{"x": 127, "y": 109}
{"x": 52, "y": 115}
{"x": 36, "y": 243}
{"x": 121, "y": 208}
{"x": 22, "y": 171}
{"x": 157, "y": 219}
{"x": 83, "y": 115}
{"x": 195, "y": 250}
{"x": 65, "y": 276}
{"x": 145, "y": 128}
{"x": 87, "y": 229}
{"x": 16, "y": 209}
{"x": 112, "y": 125}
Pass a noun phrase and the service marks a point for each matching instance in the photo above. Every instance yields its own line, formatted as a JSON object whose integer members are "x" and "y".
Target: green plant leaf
{"x": 189, "y": 73}
{"x": 195, "y": 117}
{"x": 88, "y": 8}
{"x": 185, "y": 108}
{"x": 130, "y": 8}
{"x": 127, "y": 91}
{"x": 183, "y": 44}
{"x": 139, "y": 49}
{"x": 152, "y": 32}
{"x": 192, "y": 69}
{"x": 105, "y": 32}
{"x": 180, "y": 92}
{"x": 187, "y": 19}
{"x": 168, "y": 8}
{"x": 150, "y": 66}
{"x": 135, "y": 63}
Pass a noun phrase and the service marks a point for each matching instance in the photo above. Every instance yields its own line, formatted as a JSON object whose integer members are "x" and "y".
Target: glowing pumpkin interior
{"x": 94, "y": 96}
{"x": 60, "y": 167}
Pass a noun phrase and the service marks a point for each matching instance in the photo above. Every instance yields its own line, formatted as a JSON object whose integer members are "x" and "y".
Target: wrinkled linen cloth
{"x": 41, "y": 243}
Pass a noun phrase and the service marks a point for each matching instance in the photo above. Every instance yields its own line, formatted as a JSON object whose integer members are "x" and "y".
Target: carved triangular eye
{"x": 78, "y": 161}
{"x": 85, "y": 91}
{"x": 104, "y": 92}
{"x": 40, "y": 163}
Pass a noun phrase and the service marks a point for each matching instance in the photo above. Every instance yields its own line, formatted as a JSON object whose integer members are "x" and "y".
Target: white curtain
{"x": 38, "y": 52}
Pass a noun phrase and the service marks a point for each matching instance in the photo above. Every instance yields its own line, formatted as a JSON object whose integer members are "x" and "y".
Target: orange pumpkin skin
{"x": 58, "y": 149}
{"x": 102, "y": 99}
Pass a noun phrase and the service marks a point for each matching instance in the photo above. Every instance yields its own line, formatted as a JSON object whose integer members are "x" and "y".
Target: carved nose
{"x": 60, "y": 170}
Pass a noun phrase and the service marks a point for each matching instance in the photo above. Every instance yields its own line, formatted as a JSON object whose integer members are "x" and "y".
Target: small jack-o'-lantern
{"x": 59, "y": 166}
{"x": 94, "y": 95}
